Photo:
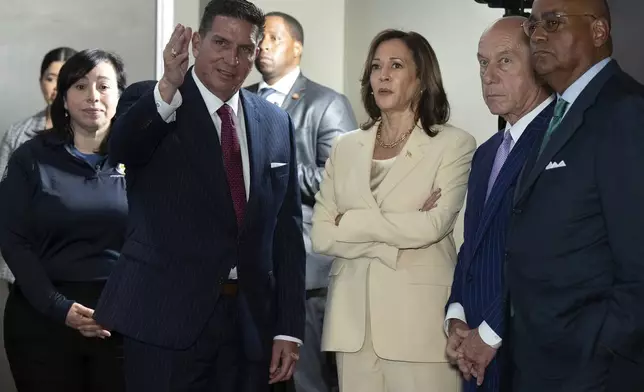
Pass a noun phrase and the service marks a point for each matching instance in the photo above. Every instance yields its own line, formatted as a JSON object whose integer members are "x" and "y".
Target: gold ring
{"x": 295, "y": 356}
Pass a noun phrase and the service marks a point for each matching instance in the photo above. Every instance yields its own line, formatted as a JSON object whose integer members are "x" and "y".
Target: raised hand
{"x": 175, "y": 62}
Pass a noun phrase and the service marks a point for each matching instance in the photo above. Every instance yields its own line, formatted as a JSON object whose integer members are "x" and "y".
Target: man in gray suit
{"x": 319, "y": 115}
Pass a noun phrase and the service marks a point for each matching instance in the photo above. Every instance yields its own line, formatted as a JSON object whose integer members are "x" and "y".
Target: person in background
{"x": 63, "y": 213}
{"x": 475, "y": 320}
{"x": 26, "y": 129}
{"x": 394, "y": 253}
{"x": 575, "y": 247}
{"x": 319, "y": 115}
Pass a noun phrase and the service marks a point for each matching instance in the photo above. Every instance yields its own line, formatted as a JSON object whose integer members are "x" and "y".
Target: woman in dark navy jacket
{"x": 63, "y": 212}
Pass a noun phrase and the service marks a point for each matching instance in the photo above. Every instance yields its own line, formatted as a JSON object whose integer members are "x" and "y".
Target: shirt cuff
{"x": 61, "y": 309}
{"x": 167, "y": 111}
{"x": 488, "y": 335}
{"x": 289, "y": 339}
{"x": 454, "y": 311}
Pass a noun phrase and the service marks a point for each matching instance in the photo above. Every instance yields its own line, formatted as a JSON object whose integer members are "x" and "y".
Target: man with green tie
{"x": 575, "y": 252}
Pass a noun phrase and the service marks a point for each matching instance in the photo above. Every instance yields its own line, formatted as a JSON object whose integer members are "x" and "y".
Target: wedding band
{"x": 173, "y": 53}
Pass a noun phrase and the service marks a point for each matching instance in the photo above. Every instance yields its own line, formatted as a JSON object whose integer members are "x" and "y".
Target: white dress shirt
{"x": 456, "y": 310}
{"x": 282, "y": 87}
{"x": 213, "y": 103}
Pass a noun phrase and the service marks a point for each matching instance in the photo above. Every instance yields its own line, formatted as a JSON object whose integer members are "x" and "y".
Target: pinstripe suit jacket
{"x": 183, "y": 238}
{"x": 479, "y": 276}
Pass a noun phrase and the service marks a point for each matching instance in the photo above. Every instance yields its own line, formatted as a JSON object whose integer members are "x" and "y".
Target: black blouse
{"x": 61, "y": 220}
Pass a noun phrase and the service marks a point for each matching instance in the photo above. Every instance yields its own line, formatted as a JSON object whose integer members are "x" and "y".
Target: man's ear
{"x": 297, "y": 49}
{"x": 601, "y": 31}
{"x": 196, "y": 43}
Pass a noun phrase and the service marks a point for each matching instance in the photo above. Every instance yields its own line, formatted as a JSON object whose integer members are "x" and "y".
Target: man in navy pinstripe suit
{"x": 475, "y": 319}
{"x": 209, "y": 289}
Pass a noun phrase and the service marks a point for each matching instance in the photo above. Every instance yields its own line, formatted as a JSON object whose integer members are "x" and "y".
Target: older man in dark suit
{"x": 575, "y": 254}
{"x": 319, "y": 115}
{"x": 209, "y": 289}
{"x": 476, "y": 322}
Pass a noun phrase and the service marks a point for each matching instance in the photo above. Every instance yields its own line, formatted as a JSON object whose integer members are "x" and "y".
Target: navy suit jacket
{"x": 183, "y": 237}
{"x": 575, "y": 250}
{"x": 479, "y": 276}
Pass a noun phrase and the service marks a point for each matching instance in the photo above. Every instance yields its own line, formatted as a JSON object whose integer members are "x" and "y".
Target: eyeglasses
{"x": 550, "y": 22}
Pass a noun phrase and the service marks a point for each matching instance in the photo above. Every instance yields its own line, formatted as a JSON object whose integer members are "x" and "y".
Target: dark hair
{"x": 294, "y": 26}
{"x": 432, "y": 107}
{"x": 238, "y": 9}
{"x": 59, "y": 54}
{"x": 74, "y": 69}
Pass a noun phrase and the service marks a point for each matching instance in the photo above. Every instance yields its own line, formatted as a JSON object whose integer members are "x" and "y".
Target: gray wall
{"x": 628, "y": 32}
{"x": 28, "y": 29}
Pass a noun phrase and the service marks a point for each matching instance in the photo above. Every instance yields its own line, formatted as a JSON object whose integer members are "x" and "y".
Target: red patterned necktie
{"x": 233, "y": 162}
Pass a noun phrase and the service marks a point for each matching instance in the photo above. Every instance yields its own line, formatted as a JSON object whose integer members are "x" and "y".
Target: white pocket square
{"x": 277, "y": 164}
{"x": 555, "y": 165}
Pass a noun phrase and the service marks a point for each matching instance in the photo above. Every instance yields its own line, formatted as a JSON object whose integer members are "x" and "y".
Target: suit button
{"x": 517, "y": 211}
{"x": 507, "y": 256}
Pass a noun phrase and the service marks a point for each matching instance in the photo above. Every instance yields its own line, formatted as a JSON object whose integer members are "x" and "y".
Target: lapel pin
{"x": 408, "y": 155}
{"x": 295, "y": 96}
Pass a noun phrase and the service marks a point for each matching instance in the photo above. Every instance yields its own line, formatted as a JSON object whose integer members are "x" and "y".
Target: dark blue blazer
{"x": 575, "y": 252}
{"x": 479, "y": 277}
{"x": 183, "y": 237}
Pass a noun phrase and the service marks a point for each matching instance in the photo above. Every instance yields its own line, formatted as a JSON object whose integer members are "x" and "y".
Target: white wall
{"x": 29, "y": 29}
{"x": 454, "y": 39}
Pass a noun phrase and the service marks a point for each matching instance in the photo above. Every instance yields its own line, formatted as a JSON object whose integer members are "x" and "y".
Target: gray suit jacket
{"x": 17, "y": 134}
{"x": 319, "y": 115}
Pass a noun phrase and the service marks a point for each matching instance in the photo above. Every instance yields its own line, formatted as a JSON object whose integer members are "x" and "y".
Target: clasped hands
{"x": 466, "y": 350}
{"x": 81, "y": 319}
{"x": 429, "y": 204}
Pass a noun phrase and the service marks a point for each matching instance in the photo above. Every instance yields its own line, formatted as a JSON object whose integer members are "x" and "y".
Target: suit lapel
{"x": 198, "y": 136}
{"x": 362, "y": 169}
{"x": 510, "y": 170}
{"x": 479, "y": 178}
{"x": 256, "y": 153}
{"x": 477, "y": 188}
{"x": 407, "y": 160}
{"x": 568, "y": 126}
{"x": 296, "y": 94}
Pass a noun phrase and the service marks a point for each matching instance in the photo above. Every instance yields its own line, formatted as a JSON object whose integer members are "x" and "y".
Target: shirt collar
{"x": 575, "y": 89}
{"x": 213, "y": 103}
{"x": 285, "y": 84}
{"x": 520, "y": 126}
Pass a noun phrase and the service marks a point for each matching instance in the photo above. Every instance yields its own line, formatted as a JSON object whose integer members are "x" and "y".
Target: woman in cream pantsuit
{"x": 375, "y": 213}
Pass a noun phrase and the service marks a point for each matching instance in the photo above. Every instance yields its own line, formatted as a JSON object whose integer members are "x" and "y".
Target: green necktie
{"x": 560, "y": 110}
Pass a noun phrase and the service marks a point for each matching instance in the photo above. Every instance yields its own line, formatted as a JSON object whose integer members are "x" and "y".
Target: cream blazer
{"x": 390, "y": 256}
